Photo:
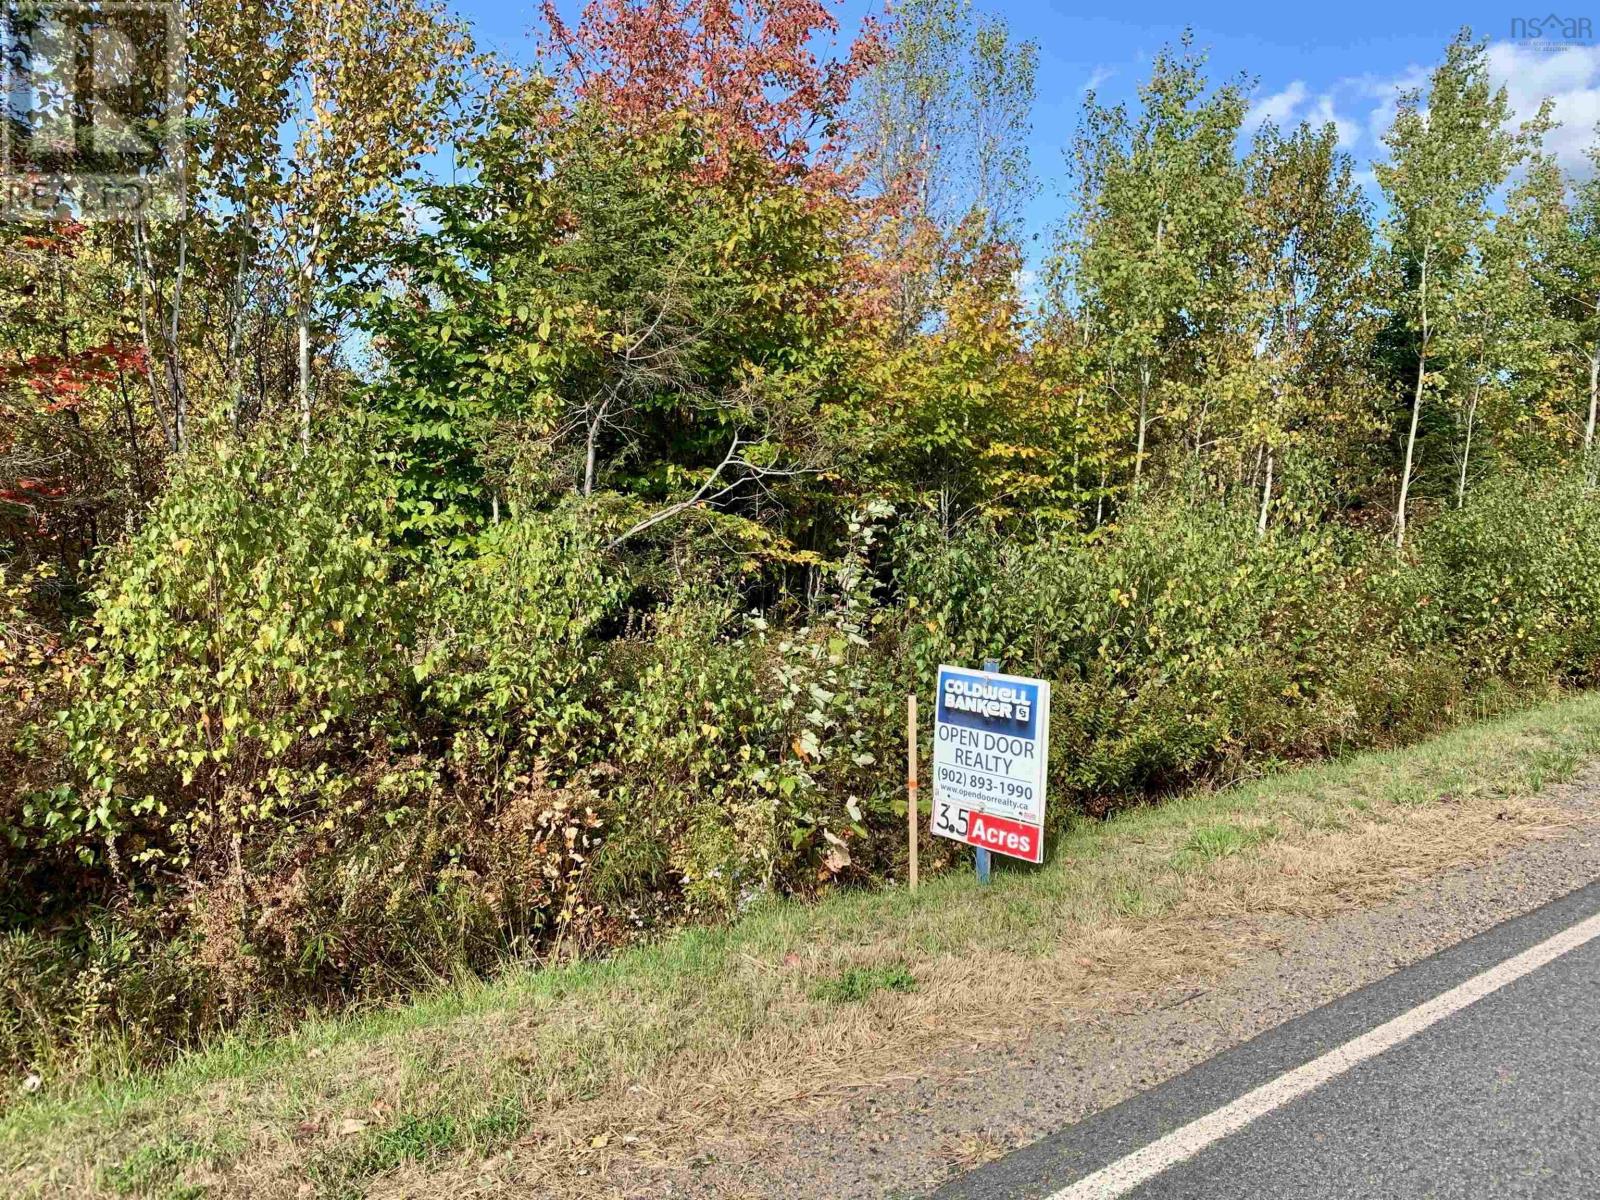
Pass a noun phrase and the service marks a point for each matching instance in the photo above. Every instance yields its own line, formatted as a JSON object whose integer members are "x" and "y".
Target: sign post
{"x": 990, "y": 745}
{"x": 913, "y": 818}
{"x": 980, "y": 858}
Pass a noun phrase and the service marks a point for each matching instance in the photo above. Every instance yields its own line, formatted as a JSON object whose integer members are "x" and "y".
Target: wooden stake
{"x": 913, "y": 817}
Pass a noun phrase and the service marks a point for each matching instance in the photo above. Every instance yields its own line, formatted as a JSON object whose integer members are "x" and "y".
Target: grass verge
{"x": 560, "y": 1077}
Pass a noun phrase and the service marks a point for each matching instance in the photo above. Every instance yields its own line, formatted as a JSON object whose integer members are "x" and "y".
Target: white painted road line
{"x": 1143, "y": 1165}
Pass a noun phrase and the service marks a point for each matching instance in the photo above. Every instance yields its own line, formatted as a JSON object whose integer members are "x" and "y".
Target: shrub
{"x": 248, "y": 640}
{"x": 303, "y": 767}
{"x": 35, "y": 661}
{"x": 1511, "y": 581}
{"x": 1178, "y": 641}
{"x": 245, "y": 656}
{"x": 510, "y": 643}
{"x": 751, "y": 755}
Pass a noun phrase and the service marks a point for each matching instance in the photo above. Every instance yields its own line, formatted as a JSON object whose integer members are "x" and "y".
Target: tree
{"x": 1584, "y": 292}
{"x": 373, "y": 85}
{"x": 1567, "y": 271}
{"x": 1154, "y": 248}
{"x": 1309, "y": 246}
{"x": 942, "y": 119}
{"x": 1450, "y": 150}
{"x": 593, "y": 316}
{"x": 747, "y": 68}
{"x": 1498, "y": 336}
{"x": 77, "y": 461}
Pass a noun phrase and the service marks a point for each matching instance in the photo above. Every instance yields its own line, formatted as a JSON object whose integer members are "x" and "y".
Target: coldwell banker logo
{"x": 1553, "y": 31}
{"x": 992, "y": 701}
{"x": 91, "y": 124}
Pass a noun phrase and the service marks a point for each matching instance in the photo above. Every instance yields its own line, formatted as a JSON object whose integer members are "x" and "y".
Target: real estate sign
{"x": 991, "y": 736}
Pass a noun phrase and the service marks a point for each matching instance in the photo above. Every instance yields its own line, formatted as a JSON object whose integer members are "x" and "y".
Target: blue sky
{"x": 1343, "y": 62}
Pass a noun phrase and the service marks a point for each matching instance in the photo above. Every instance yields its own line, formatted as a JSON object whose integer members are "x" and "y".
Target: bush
{"x": 726, "y": 754}
{"x": 249, "y": 640}
{"x": 1177, "y": 642}
{"x": 1511, "y": 582}
{"x": 1181, "y": 643}
{"x": 35, "y": 661}
{"x": 753, "y": 759}
{"x": 510, "y": 643}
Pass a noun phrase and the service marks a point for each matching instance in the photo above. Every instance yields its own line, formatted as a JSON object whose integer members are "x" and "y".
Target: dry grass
{"x": 556, "y": 1084}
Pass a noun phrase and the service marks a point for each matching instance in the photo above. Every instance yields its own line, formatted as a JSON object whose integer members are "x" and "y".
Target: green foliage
{"x": 754, "y": 758}
{"x": 509, "y": 642}
{"x": 678, "y": 461}
{"x": 245, "y": 635}
{"x": 592, "y": 315}
{"x": 1182, "y": 642}
{"x": 1512, "y": 582}
{"x": 1155, "y": 247}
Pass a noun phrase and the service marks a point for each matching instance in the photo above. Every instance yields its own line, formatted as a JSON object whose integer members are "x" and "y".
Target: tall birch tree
{"x": 1152, "y": 250}
{"x": 1307, "y": 258}
{"x": 1451, "y": 148}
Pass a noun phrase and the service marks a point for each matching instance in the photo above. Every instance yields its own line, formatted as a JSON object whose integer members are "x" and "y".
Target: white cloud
{"x": 1387, "y": 94}
{"x": 1321, "y": 113}
{"x": 1030, "y": 285}
{"x": 1096, "y": 77}
{"x": 1362, "y": 107}
{"x": 1279, "y": 108}
{"x": 1296, "y": 103}
{"x": 1569, "y": 77}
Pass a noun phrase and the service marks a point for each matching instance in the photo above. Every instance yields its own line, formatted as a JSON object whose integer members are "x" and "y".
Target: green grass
{"x": 1221, "y": 840}
{"x": 153, "y": 1167}
{"x": 413, "y": 1138}
{"x": 479, "y": 1065}
{"x": 857, "y": 983}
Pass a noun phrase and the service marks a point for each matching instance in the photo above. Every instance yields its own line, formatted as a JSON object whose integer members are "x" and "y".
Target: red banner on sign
{"x": 1005, "y": 837}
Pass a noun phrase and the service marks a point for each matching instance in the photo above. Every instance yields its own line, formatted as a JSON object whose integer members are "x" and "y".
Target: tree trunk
{"x": 1266, "y": 499}
{"x": 591, "y": 447}
{"x": 1144, "y": 425}
{"x": 304, "y": 331}
{"x": 1410, "y": 450}
{"x": 234, "y": 367}
{"x": 303, "y": 320}
{"x": 1594, "y": 397}
{"x": 147, "y": 340}
{"x": 1416, "y": 410}
{"x": 180, "y": 403}
{"x": 1466, "y": 451}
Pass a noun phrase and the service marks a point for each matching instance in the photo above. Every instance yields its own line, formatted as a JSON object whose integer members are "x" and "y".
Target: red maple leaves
{"x": 747, "y": 68}
{"x": 57, "y": 383}
{"x": 60, "y": 381}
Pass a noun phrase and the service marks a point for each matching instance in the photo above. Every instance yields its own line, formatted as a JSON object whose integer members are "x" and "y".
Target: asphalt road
{"x": 1473, "y": 1074}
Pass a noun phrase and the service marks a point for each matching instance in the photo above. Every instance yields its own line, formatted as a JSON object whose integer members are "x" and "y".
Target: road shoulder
{"x": 981, "y": 1102}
